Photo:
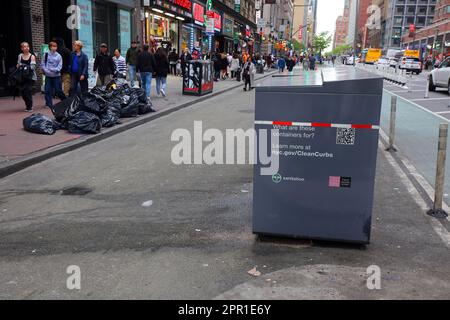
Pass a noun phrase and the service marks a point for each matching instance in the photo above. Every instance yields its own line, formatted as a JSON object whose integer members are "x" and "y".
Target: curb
{"x": 15, "y": 166}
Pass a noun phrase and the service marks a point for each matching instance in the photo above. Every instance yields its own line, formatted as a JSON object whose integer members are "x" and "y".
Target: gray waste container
{"x": 328, "y": 140}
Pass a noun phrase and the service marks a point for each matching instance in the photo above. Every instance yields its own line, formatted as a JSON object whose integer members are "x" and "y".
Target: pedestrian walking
{"x": 248, "y": 74}
{"x": 173, "y": 61}
{"x": 224, "y": 66}
{"x": 217, "y": 60}
{"x": 131, "y": 60}
{"x": 146, "y": 67}
{"x": 281, "y": 65}
{"x": 104, "y": 66}
{"x": 79, "y": 73}
{"x": 26, "y": 62}
{"x": 185, "y": 57}
{"x": 312, "y": 62}
{"x": 120, "y": 63}
{"x": 51, "y": 66}
{"x": 234, "y": 67}
{"x": 161, "y": 70}
{"x": 65, "y": 71}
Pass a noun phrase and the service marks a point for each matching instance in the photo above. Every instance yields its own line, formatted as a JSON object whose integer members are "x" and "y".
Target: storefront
{"x": 227, "y": 38}
{"x": 107, "y": 22}
{"x": 164, "y": 20}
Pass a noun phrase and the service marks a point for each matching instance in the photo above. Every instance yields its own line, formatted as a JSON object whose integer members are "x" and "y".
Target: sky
{"x": 327, "y": 13}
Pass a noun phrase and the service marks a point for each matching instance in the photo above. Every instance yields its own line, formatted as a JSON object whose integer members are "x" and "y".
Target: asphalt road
{"x": 193, "y": 240}
{"x": 438, "y": 102}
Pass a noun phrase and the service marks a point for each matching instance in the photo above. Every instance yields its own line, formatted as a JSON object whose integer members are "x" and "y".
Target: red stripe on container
{"x": 282, "y": 123}
{"x": 323, "y": 125}
{"x": 361, "y": 126}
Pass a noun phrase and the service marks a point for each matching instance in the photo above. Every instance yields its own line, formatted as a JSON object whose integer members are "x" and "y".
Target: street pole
{"x": 438, "y": 211}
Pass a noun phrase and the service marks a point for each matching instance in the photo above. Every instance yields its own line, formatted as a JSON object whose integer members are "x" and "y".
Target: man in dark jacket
{"x": 173, "y": 60}
{"x": 65, "y": 71}
{"x": 185, "y": 57}
{"x": 104, "y": 65}
{"x": 131, "y": 58}
{"x": 146, "y": 67}
{"x": 79, "y": 67}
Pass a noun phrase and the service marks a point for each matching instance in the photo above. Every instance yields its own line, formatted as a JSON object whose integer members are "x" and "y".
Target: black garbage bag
{"x": 141, "y": 95}
{"x": 41, "y": 124}
{"x": 100, "y": 91}
{"x": 109, "y": 119}
{"x": 93, "y": 103}
{"x": 115, "y": 106}
{"x": 130, "y": 107}
{"x": 66, "y": 109}
{"x": 145, "y": 108}
{"x": 84, "y": 122}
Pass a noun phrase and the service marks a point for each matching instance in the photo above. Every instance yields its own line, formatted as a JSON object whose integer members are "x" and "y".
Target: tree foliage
{"x": 321, "y": 42}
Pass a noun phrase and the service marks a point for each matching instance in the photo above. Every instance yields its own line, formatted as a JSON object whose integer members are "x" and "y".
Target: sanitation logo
{"x": 277, "y": 178}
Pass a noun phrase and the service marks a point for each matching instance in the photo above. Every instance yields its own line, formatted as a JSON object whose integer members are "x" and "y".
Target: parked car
{"x": 383, "y": 61}
{"x": 410, "y": 64}
{"x": 393, "y": 62}
{"x": 440, "y": 77}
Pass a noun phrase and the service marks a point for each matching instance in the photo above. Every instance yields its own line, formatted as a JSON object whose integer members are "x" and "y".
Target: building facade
{"x": 433, "y": 39}
{"x": 402, "y": 14}
{"x": 181, "y": 24}
{"x": 341, "y": 31}
{"x": 38, "y": 21}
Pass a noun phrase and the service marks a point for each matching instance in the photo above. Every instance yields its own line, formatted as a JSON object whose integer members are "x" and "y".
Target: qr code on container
{"x": 346, "y": 136}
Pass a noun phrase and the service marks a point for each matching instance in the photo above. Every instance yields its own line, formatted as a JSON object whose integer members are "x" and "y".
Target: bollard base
{"x": 391, "y": 149}
{"x": 437, "y": 213}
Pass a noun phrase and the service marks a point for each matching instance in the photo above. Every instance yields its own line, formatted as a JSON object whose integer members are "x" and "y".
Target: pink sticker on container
{"x": 335, "y": 182}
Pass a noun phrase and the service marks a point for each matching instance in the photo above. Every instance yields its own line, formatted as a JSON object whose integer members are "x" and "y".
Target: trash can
{"x": 328, "y": 128}
{"x": 198, "y": 79}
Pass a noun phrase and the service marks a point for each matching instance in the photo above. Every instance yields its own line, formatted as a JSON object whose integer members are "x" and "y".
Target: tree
{"x": 298, "y": 46}
{"x": 339, "y": 50}
{"x": 321, "y": 42}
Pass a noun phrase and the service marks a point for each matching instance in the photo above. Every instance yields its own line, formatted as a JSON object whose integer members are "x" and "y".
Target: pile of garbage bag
{"x": 88, "y": 113}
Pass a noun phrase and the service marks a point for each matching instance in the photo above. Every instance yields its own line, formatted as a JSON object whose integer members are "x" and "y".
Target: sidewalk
{"x": 16, "y": 143}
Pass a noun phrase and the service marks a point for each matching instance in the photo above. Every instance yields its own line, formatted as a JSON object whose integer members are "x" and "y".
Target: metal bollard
{"x": 392, "y": 124}
{"x": 410, "y": 82}
{"x": 438, "y": 211}
{"x": 427, "y": 89}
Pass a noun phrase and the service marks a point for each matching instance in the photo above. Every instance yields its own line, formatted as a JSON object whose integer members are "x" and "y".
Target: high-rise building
{"x": 341, "y": 32}
{"x": 403, "y": 13}
{"x": 434, "y": 38}
{"x": 304, "y": 21}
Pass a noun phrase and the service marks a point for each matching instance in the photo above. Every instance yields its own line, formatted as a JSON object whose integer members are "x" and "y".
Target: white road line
{"x": 435, "y": 224}
{"x": 443, "y": 112}
{"x": 430, "y": 99}
{"x": 418, "y": 106}
{"x": 405, "y": 91}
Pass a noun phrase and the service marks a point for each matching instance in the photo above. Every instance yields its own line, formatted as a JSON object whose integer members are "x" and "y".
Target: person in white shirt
{"x": 121, "y": 64}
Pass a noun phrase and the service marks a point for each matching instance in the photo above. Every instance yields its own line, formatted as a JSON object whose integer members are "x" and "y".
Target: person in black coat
{"x": 185, "y": 57}
{"x": 162, "y": 69}
{"x": 104, "y": 65}
{"x": 146, "y": 67}
{"x": 173, "y": 60}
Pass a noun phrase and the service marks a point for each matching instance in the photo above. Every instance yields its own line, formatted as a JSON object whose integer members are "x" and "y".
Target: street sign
{"x": 261, "y": 23}
{"x": 210, "y": 25}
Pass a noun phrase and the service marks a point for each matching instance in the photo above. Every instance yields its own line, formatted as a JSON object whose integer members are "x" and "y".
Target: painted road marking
{"x": 443, "y": 112}
{"x": 430, "y": 99}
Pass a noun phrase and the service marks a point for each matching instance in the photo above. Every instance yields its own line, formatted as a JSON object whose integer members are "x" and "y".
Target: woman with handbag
{"x": 26, "y": 62}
